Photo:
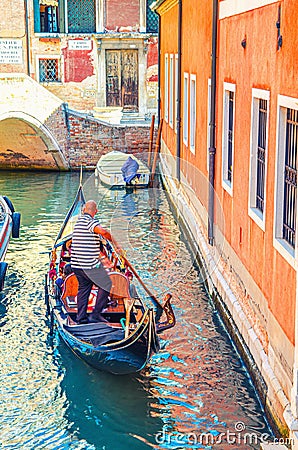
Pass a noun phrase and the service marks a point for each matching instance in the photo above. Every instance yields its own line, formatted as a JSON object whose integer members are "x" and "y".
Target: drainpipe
{"x": 212, "y": 149}
{"x": 27, "y": 36}
{"x": 158, "y": 69}
{"x": 178, "y": 142}
{"x": 294, "y": 391}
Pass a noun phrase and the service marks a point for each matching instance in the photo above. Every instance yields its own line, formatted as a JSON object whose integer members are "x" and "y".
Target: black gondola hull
{"x": 119, "y": 357}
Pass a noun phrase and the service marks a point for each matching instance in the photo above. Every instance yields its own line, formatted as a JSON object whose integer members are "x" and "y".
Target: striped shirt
{"x": 85, "y": 244}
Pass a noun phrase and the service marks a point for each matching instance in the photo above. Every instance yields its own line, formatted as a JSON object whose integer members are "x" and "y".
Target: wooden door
{"x": 122, "y": 79}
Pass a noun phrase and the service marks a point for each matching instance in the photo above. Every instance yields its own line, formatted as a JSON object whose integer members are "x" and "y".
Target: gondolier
{"x": 86, "y": 264}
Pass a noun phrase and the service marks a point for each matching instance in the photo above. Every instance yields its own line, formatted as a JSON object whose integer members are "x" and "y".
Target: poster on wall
{"x": 11, "y": 51}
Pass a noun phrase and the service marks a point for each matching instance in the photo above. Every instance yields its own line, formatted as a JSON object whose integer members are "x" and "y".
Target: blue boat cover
{"x": 129, "y": 169}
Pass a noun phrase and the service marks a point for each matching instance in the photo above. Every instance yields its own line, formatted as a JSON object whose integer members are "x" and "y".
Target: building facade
{"x": 229, "y": 100}
{"x": 89, "y": 53}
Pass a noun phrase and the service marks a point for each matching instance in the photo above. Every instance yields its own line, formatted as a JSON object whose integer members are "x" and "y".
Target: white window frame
{"x": 176, "y": 92}
{"x": 226, "y": 184}
{"x": 257, "y": 216}
{"x": 60, "y": 63}
{"x": 192, "y": 113}
{"x": 166, "y": 99}
{"x": 171, "y": 92}
{"x": 185, "y": 107}
{"x": 208, "y": 120}
{"x": 280, "y": 244}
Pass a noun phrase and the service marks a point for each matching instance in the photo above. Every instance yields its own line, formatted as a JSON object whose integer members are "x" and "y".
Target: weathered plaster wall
{"x": 126, "y": 15}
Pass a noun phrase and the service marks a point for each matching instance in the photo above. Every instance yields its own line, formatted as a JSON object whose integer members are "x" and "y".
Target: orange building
{"x": 229, "y": 100}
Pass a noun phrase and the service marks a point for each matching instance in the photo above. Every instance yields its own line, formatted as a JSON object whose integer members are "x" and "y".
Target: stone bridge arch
{"x": 33, "y": 130}
{"x": 26, "y": 143}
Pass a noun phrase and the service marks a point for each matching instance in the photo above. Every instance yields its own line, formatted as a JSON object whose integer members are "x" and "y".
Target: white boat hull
{"x": 108, "y": 170}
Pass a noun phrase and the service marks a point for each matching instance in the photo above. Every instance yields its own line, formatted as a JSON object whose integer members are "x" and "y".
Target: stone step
{"x": 132, "y": 117}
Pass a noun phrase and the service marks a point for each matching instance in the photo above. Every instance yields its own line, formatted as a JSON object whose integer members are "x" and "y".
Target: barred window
{"x": 50, "y": 16}
{"x": 49, "y": 70}
{"x": 285, "y": 221}
{"x": 228, "y": 136}
{"x": 290, "y": 178}
{"x": 258, "y": 155}
{"x": 262, "y": 136}
{"x": 151, "y": 19}
{"x": 81, "y": 16}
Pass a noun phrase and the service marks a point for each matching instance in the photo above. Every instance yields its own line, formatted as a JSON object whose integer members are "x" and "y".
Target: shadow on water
{"x": 107, "y": 411}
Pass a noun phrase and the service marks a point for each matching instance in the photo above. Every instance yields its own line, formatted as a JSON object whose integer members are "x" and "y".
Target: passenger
{"x": 132, "y": 289}
{"x": 52, "y": 272}
{"x": 86, "y": 263}
{"x": 64, "y": 272}
{"x": 70, "y": 284}
{"x": 67, "y": 270}
{"x": 66, "y": 251}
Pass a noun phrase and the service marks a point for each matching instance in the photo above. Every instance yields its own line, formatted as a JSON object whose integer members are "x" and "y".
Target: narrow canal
{"x": 196, "y": 393}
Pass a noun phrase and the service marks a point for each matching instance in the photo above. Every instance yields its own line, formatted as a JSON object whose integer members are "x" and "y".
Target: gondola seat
{"x": 119, "y": 292}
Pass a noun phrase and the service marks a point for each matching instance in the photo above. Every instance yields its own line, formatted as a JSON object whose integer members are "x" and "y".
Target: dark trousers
{"x": 86, "y": 279}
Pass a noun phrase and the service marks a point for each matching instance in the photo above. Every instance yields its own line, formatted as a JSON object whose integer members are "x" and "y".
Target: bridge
{"x": 39, "y": 131}
{"x": 33, "y": 128}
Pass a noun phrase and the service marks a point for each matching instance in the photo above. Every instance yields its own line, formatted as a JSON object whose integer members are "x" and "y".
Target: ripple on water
{"x": 50, "y": 399}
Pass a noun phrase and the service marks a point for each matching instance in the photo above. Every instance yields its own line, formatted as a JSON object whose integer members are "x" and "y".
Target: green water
{"x": 52, "y": 400}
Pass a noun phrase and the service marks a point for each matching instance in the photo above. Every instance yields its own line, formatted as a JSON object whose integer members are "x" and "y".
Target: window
{"x": 258, "y": 156}
{"x": 48, "y": 70}
{"x": 228, "y": 136}
{"x": 81, "y": 16}
{"x": 171, "y": 106}
{"x": 176, "y": 92}
{"x": 192, "y": 114}
{"x": 286, "y": 178}
{"x": 290, "y": 179}
{"x": 185, "y": 110}
{"x": 65, "y": 16}
{"x": 166, "y": 88}
{"x": 208, "y": 121}
{"x": 151, "y": 19}
{"x": 49, "y": 19}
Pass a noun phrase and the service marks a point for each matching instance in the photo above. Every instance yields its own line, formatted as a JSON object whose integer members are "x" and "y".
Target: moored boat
{"x": 123, "y": 344}
{"x": 118, "y": 169}
{"x": 9, "y": 227}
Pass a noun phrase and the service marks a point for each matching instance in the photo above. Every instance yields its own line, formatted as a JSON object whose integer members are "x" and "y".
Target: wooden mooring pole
{"x": 156, "y": 152}
{"x": 151, "y": 141}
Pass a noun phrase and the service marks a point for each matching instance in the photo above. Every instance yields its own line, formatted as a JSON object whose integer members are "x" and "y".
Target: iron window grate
{"x": 81, "y": 16}
{"x": 151, "y": 19}
{"x": 262, "y": 137}
{"x": 290, "y": 178}
{"x": 48, "y": 70}
{"x": 230, "y": 135}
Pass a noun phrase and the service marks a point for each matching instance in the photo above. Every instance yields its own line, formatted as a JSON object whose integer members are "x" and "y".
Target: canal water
{"x": 196, "y": 393}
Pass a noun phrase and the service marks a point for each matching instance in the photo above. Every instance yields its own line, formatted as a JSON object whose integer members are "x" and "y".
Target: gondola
{"x": 9, "y": 227}
{"x": 123, "y": 344}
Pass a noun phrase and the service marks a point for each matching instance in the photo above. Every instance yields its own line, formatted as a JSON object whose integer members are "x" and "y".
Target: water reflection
{"x": 50, "y": 399}
{"x": 105, "y": 411}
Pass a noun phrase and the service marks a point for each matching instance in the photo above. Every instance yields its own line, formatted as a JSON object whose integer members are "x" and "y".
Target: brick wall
{"x": 89, "y": 139}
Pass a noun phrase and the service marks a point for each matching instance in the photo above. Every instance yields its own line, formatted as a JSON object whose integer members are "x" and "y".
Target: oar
{"x": 153, "y": 298}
